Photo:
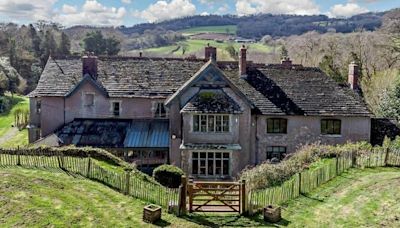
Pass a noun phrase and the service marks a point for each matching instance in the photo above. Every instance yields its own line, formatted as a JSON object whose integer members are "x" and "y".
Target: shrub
{"x": 5, "y": 104}
{"x": 267, "y": 174}
{"x": 168, "y": 175}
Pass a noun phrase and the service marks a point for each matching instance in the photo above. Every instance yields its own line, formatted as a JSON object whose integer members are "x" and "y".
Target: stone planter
{"x": 151, "y": 213}
{"x": 272, "y": 214}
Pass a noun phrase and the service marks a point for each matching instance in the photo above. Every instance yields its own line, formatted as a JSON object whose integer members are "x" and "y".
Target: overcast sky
{"x": 129, "y": 12}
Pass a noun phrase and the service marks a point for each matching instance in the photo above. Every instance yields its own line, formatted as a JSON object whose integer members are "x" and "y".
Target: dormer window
{"x": 116, "y": 108}
{"x": 160, "y": 110}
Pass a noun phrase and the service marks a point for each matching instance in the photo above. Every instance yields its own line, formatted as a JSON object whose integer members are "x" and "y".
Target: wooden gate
{"x": 207, "y": 196}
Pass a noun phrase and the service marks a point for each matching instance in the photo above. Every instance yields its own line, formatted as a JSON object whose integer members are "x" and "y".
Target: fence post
{"x": 182, "y": 196}
{"x": 354, "y": 159}
{"x": 88, "y": 167}
{"x": 190, "y": 190}
{"x": 18, "y": 156}
{"x": 243, "y": 197}
{"x": 299, "y": 183}
{"x": 386, "y": 156}
{"x": 337, "y": 164}
{"x": 127, "y": 181}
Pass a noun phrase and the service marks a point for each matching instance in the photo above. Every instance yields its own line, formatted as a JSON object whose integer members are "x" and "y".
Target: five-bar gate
{"x": 206, "y": 196}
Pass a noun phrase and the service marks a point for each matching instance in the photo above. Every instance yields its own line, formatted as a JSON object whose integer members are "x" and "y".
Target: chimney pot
{"x": 89, "y": 65}
{"x": 210, "y": 53}
{"x": 243, "y": 61}
{"x": 354, "y": 74}
{"x": 286, "y": 62}
{"x": 140, "y": 54}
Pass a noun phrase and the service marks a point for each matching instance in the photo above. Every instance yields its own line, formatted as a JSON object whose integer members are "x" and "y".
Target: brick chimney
{"x": 243, "y": 61}
{"x": 211, "y": 53}
{"x": 354, "y": 74}
{"x": 89, "y": 65}
{"x": 286, "y": 62}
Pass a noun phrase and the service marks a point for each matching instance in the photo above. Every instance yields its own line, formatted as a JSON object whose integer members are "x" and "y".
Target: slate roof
{"x": 119, "y": 76}
{"x": 271, "y": 89}
{"x": 212, "y": 102}
{"x": 98, "y": 133}
{"x": 275, "y": 90}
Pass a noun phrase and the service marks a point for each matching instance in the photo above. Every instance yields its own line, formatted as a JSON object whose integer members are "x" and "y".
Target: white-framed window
{"x": 211, "y": 163}
{"x": 88, "y": 99}
{"x": 160, "y": 110}
{"x": 211, "y": 123}
{"x": 116, "y": 108}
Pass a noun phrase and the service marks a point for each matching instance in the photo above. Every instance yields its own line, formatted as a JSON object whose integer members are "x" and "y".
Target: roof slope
{"x": 271, "y": 89}
{"x": 119, "y": 76}
{"x": 275, "y": 90}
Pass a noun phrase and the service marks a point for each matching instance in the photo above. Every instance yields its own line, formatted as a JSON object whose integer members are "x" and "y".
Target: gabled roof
{"x": 212, "y": 101}
{"x": 87, "y": 79}
{"x": 209, "y": 66}
{"x": 268, "y": 89}
{"x": 119, "y": 76}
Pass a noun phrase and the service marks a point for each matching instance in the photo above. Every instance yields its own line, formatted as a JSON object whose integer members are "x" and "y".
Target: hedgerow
{"x": 267, "y": 174}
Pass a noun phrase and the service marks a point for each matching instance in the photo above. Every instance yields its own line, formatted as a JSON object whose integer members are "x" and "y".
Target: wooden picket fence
{"x": 128, "y": 182}
{"x": 310, "y": 179}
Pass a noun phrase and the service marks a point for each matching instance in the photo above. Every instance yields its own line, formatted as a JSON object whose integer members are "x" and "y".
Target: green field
{"x": 366, "y": 198}
{"x": 9, "y": 136}
{"x": 39, "y": 198}
{"x": 358, "y": 198}
{"x": 226, "y": 29}
{"x": 197, "y": 47}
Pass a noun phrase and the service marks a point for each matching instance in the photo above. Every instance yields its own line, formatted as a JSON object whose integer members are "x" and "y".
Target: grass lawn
{"x": 358, "y": 198}
{"x": 367, "y": 198}
{"x": 197, "y": 47}
{"x": 228, "y": 29}
{"x": 39, "y": 198}
{"x": 7, "y": 119}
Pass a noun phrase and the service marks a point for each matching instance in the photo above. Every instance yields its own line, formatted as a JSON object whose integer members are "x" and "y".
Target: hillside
{"x": 257, "y": 26}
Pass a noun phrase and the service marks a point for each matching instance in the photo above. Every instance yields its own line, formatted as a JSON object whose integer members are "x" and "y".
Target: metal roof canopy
{"x": 148, "y": 134}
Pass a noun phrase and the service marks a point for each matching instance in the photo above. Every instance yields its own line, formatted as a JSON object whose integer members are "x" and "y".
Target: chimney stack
{"x": 286, "y": 62}
{"x": 89, "y": 65}
{"x": 243, "y": 61}
{"x": 354, "y": 74}
{"x": 211, "y": 53}
{"x": 140, "y": 54}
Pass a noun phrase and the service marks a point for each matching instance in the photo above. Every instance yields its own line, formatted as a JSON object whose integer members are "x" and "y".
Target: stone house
{"x": 209, "y": 117}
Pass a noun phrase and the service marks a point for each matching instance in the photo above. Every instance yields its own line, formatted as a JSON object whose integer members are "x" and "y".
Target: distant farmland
{"x": 226, "y": 29}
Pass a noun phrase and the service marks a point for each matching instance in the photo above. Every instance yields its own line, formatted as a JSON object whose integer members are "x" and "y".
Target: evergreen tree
{"x": 48, "y": 47}
{"x": 112, "y": 46}
{"x": 96, "y": 43}
{"x": 65, "y": 45}
{"x": 35, "y": 41}
{"x": 328, "y": 66}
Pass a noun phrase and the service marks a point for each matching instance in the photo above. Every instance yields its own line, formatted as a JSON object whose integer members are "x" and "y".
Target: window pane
{"x": 225, "y": 167}
{"x": 203, "y": 155}
{"x": 203, "y": 123}
{"x": 211, "y": 123}
{"x": 195, "y": 155}
{"x": 218, "y": 124}
{"x": 226, "y": 123}
{"x": 195, "y": 167}
{"x": 218, "y": 167}
{"x": 277, "y": 125}
{"x": 210, "y": 166}
{"x": 196, "y": 123}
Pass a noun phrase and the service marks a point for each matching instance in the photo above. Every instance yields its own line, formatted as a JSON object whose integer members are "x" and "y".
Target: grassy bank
{"x": 40, "y": 198}
{"x": 228, "y": 29}
{"x": 358, "y": 198}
